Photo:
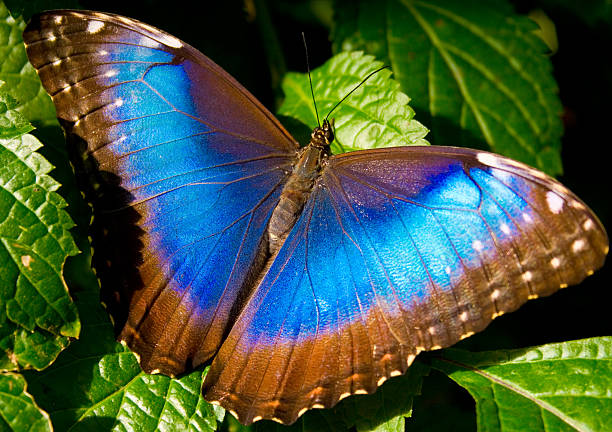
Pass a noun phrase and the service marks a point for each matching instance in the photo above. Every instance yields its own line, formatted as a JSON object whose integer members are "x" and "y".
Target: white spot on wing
{"x": 163, "y": 37}
{"x": 588, "y": 224}
{"x": 555, "y": 262}
{"x": 527, "y": 276}
{"x": 94, "y": 26}
{"x": 410, "y": 359}
{"x": 507, "y": 165}
{"x": 487, "y": 159}
{"x": 157, "y": 35}
{"x": 527, "y": 218}
{"x": 505, "y": 228}
{"x": 171, "y": 41}
{"x": 578, "y": 245}
{"x": 477, "y": 245}
{"x": 554, "y": 201}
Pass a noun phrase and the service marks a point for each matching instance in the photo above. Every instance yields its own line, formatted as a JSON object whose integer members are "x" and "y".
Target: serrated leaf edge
{"x": 454, "y": 69}
{"x": 522, "y": 392}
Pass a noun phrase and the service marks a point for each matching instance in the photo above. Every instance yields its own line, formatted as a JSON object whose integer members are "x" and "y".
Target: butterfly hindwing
{"x": 398, "y": 251}
{"x": 187, "y": 167}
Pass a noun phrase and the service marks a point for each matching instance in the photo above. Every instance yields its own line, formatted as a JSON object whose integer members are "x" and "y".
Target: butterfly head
{"x": 322, "y": 136}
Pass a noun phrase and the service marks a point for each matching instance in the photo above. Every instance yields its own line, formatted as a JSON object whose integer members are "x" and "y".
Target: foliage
{"x": 376, "y": 115}
{"x": 521, "y": 389}
{"x": 475, "y": 71}
{"x": 36, "y": 312}
{"x": 18, "y": 411}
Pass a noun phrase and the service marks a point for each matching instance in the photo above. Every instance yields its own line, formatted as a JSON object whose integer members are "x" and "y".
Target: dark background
{"x": 227, "y": 33}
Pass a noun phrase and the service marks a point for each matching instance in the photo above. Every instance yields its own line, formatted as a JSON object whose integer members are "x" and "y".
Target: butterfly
{"x": 303, "y": 277}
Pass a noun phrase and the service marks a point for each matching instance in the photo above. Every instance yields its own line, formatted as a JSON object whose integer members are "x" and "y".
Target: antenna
{"x": 351, "y": 92}
{"x": 310, "y": 80}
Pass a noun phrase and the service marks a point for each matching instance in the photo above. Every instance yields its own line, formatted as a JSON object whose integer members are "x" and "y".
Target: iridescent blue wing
{"x": 398, "y": 251}
{"x": 187, "y": 167}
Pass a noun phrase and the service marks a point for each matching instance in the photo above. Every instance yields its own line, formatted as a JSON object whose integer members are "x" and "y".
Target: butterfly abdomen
{"x": 294, "y": 195}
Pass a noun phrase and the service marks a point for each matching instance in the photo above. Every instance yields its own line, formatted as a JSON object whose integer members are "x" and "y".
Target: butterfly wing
{"x": 181, "y": 154}
{"x": 397, "y": 251}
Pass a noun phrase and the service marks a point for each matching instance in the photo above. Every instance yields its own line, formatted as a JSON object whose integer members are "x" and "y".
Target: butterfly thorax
{"x": 297, "y": 189}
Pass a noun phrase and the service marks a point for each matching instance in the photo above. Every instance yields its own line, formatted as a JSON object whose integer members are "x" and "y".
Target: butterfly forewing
{"x": 398, "y": 251}
{"x": 183, "y": 190}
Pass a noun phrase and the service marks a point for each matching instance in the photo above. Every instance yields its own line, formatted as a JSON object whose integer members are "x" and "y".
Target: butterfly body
{"x": 295, "y": 192}
{"x": 304, "y": 277}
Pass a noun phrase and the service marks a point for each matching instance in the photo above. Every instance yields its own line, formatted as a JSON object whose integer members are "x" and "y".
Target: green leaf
{"x": 383, "y": 411}
{"x": 18, "y": 411}
{"x": 376, "y": 115}
{"x": 112, "y": 393}
{"x": 476, "y": 72}
{"x": 561, "y": 386}
{"x": 24, "y": 349}
{"x": 21, "y": 78}
{"x": 97, "y": 384}
{"x": 12, "y": 124}
{"x": 36, "y": 311}
{"x": 109, "y": 391}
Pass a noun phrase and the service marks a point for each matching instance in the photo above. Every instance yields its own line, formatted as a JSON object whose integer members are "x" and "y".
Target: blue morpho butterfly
{"x": 305, "y": 277}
